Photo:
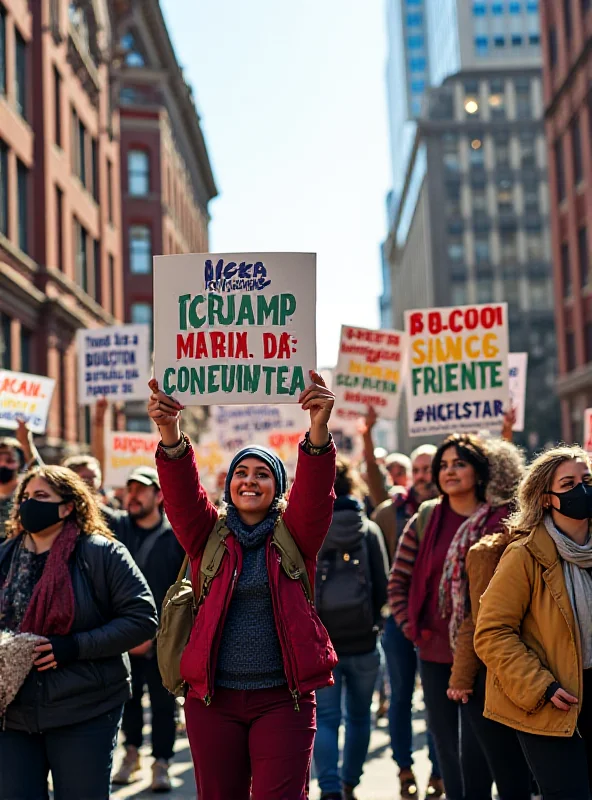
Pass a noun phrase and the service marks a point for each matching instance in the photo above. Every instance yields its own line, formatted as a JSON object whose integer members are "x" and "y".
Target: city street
{"x": 378, "y": 783}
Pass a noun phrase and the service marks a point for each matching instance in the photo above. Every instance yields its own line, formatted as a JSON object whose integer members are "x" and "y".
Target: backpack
{"x": 180, "y": 605}
{"x": 344, "y": 598}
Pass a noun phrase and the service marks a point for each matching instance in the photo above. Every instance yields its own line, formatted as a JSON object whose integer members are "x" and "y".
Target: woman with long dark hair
{"x": 257, "y": 650}
{"x": 64, "y": 579}
{"x": 435, "y": 540}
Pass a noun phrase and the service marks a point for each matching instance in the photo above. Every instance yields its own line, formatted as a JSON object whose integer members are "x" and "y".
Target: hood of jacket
{"x": 347, "y": 529}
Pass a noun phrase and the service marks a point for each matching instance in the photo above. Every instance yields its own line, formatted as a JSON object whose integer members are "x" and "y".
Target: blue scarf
{"x": 251, "y": 536}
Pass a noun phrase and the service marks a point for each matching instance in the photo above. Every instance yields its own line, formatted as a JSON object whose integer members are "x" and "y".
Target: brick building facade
{"x": 567, "y": 49}
{"x": 60, "y": 230}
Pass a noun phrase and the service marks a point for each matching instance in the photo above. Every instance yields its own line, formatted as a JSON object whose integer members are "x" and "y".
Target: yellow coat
{"x": 527, "y": 637}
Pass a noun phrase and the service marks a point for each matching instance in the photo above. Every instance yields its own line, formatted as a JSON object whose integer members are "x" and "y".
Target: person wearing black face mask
{"x": 534, "y": 627}
{"x": 15, "y": 454}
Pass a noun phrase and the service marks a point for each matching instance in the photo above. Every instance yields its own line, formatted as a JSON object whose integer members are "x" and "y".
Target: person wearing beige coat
{"x": 534, "y": 626}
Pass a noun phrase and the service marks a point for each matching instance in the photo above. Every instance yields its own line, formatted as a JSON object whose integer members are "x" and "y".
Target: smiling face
{"x": 252, "y": 487}
{"x": 457, "y": 476}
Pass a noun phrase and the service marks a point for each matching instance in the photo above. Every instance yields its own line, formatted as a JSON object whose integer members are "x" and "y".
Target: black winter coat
{"x": 114, "y": 611}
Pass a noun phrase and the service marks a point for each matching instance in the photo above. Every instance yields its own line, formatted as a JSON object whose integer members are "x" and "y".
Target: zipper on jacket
{"x": 286, "y": 648}
{"x": 295, "y": 696}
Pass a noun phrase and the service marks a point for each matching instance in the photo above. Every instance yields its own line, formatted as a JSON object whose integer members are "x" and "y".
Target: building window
{"x": 512, "y": 292}
{"x": 81, "y": 250}
{"x": 570, "y": 350}
{"x": 59, "y": 198}
{"x": 517, "y": 40}
{"x": 458, "y": 293}
{"x": 3, "y": 189}
{"x": 414, "y": 19}
{"x": 476, "y": 150}
{"x": 5, "y": 341}
{"x": 451, "y": 156}
{"x": 584, "y": 264}
{"x": 531, "y": 196}
{"x": 112, "y": 282}
{"x": 415, "y": 42}
{"x": 57, "y": 107}
{"x": 138, "y": 172}
{"x": 2, "y": 50}
{"x": 515, "y": 8}
{"x": 417, "y": 64}
{"x": 482, "y": 249}
{"x": 553, "y": 46}
{"x": 497, "y": 9}
{"x": 497, "y": 99}
{"x": 109, "y": 191}
{"x": 26, "y": 341}
{"x": 453, "y": 199}
{"x": 141, "y": 313}
{"x": 499, "y": 41}
{"x": 559, "y": 170}
{"x": 539, "y": 291}
{"x": 140, "y": 245}
{"x": 481, "y": 45}
{"x": 82, "y": 152}
{"x": 479, "y": 200}
{"x": 456, "y": 249}
{"x": 534, "y": 39}
{"x": 484, "y": 290}
{"x": 133, "y": 57}
{"x": 508, "y": 247}
{"x": 576, "y": 149}
{"x": 535, "y": 245}
{"x": 527, "y": 149}
{"x": 20, "y": 75}
{"x": 567, "y": 18}
{"x": 23, "y": 211}
{"x": 588, "y": 341}
{"x": 565, "y": 270}
{"x": 505, "y": 196}
{"x": 94, "y": 156}
{"x": 479, "y": 9}
{"x": 523, "y": 98}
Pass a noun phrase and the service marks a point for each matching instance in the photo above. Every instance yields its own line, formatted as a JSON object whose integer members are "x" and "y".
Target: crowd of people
{"x": 459, "y": 564}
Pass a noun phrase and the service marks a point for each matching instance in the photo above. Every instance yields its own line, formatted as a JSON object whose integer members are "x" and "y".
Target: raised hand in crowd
{"x": 166, "y": 413}
{"x": 318, "y": 400}
{"x": 509, "y": 422}
{"x": 25, "y": 439}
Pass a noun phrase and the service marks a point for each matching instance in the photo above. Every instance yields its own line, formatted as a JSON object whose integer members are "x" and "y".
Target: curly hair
{"x": 348, "y": 480}
{"x": 536, "y": 483}
{"x": 86, "y": 513}
{"x": 506, "y": 470}
{"x": 472, "y": 450}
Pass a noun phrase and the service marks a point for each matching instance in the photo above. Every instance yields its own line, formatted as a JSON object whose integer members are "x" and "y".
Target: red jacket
{"x": 307, "y": 651}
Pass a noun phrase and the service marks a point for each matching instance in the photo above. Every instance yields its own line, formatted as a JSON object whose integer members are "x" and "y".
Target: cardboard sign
{"x": 588, "y": 430}
{"x": 458, "y": 369}
{"x": 125, "y": 451}
{"x": 234, "y": 328}
{"x": 518, "y": 369}
{"x": 368, "y": 372}
{"x": 113, "y": 363}
{"x": 26, "y": 396}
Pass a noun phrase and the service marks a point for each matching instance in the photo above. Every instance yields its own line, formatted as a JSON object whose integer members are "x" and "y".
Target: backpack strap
{"x": 292, "y": 560}
{"x": 212, "y": 557}
{"x": 423, "y": 518}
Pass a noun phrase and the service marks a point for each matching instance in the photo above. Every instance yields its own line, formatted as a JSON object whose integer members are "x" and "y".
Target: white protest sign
{"x": 588, "y": 430}
{"x": 458, "y": 369}
{"x": 26, "y": 396}
{"x": 125, "y": 451}
{"x": 518, "y": 369}
{"x": 113, "y": 363}
{"x": 234, "y": 328}
{"x": 368, "y": 372}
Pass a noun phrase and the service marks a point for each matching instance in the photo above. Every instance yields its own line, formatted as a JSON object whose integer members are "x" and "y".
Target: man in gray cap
{"x": 146, "y": 532}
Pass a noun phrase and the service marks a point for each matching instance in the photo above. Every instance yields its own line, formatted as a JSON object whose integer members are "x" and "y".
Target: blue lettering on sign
{"x": 232, "y": 277}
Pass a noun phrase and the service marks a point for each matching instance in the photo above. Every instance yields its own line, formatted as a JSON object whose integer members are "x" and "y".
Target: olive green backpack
{"x": 180, "y": 606}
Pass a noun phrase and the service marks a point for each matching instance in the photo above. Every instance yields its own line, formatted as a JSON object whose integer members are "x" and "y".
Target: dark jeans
{"x": 401, "y": 660}
{"x": 500, "y": 746}
{"x": 145, "y": 673}
{"x": 474, "y": 781}
{"x": 355, "y": 677}
{"x": 79, "y": 758}
{"x": 561, "y": 765}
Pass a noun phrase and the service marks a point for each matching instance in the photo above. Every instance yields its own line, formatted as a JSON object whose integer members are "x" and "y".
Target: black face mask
{"x": 7, "y": 474}
{"x": 576, "y": 503}
{"x": 37, "y": 516}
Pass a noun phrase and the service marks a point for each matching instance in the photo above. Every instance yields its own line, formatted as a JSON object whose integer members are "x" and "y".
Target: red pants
{"x": 251, "y": 744}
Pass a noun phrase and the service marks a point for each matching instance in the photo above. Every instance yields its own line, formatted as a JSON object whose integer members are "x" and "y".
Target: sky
{"x": 292, "y": 102}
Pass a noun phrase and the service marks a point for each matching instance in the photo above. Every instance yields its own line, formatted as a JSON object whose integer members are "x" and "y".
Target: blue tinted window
{"x": 414, "y": 19}
{"x": 415, "y": 42}
{"x": 516, "y": 40}
{"x": 417, "y": 64}
{"x": 497, "y": 8}
{"x": 417, "y": 87}
{"x": 532, "y": 6}
{"x": 414, "y": 2}
{"x": 479, "y": 9}
{"x": 534, "y": 38}
{"x": 515, "y": 8}
{"x": 499, "y": 41}
{"x": 416, "y": 107}
{"x": 481, "y": 44}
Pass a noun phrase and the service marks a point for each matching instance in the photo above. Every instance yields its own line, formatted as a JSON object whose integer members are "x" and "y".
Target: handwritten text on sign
{"x": 368, "y": 372}
{"x": 113, "y": 363}
{"x": 458, "y": 377}
{"x": 126, "y": 451}
{"x": 26, "y": 396}
{"x": 234, "y": 328}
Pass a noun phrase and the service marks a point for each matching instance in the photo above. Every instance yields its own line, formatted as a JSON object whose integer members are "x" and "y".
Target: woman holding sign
{"x": 257, "y": 650}
{"x": 434, "y": 546}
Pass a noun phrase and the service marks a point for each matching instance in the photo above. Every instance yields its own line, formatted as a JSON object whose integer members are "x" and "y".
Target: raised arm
{"x": 497, "y": 636}
{"x": 374, "y": 477}
{"x": 186, "y": 503}
{"x": 402, "y": 573}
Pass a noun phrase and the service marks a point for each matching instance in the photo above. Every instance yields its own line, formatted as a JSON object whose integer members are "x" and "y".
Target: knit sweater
{"x": 250, "y": 655}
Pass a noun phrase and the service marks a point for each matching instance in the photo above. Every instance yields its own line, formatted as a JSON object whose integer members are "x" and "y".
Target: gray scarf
{"x": 577, "y": 559}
